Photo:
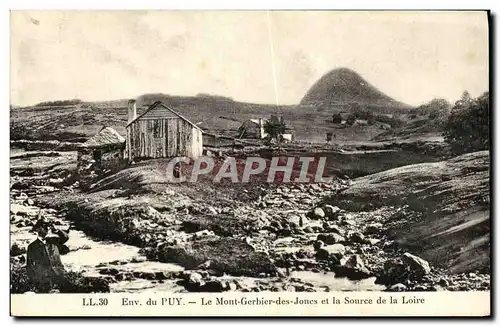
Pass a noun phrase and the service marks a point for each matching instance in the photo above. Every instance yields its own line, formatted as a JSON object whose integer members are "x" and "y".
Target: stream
{"x": 124, "y": 265}
{"x": 90, "y": 255}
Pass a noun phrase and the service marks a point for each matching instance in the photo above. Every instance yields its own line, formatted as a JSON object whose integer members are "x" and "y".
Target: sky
{"x": 251, "y": 56}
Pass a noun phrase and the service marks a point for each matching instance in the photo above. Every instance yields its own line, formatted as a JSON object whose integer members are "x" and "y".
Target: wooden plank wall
{"x": 154, "y": 138}
{"x": 196, "y": 143}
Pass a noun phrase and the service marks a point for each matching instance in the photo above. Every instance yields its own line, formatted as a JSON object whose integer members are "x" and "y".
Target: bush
{"x": 467, "y": 128}
{"x": 337, "y": 118}
{"x": 371, "y": 118}
{"x": 275, "y": 127}
{"x": 59, "y": 103}
{"x": 351, "y": 119}
{"x": 364, "y": 114}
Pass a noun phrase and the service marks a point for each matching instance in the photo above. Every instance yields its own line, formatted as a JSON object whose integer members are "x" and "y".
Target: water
{"x": 86, "y": 253}
{"x": 328, "y": 279}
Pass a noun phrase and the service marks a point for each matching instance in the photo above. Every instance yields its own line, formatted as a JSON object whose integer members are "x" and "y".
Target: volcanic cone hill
{"x": 344, "y": 86}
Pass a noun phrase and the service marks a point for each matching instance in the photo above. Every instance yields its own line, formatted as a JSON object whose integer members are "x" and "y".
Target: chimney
{"x": 132, "y": 111}
{"x": 261, "y": 128}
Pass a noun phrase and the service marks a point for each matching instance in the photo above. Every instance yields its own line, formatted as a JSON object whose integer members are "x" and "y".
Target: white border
{"x": 192, "y": 5}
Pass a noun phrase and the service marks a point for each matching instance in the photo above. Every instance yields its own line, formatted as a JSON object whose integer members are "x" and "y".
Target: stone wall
{"x": 93, "y": 164}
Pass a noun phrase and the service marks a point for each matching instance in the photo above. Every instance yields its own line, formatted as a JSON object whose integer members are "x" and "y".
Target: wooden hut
{"x": 161, "y": 132}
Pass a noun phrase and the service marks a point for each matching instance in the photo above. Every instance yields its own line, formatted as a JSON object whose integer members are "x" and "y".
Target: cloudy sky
{"x": 105, "y": 55}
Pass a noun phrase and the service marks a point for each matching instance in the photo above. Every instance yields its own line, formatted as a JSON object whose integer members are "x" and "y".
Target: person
{"x": 177, "y": 171}
{"x": 44, "y": 267}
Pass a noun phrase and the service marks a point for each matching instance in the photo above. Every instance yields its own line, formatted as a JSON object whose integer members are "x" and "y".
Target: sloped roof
{"x": 107, "y": 136}
{"x": 167, "y": 112}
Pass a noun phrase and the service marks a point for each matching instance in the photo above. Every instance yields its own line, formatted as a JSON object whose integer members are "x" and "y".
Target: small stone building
{"x": 100, "y": 154}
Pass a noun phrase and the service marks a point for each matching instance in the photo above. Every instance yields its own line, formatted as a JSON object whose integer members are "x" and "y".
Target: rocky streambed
{"x": 287, "y": 239}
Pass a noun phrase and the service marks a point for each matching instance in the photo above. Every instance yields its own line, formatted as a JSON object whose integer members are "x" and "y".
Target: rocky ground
{"x": 292, "y": 237}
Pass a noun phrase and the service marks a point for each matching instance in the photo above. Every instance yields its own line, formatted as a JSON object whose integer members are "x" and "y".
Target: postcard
{"x": 250, "y": 163}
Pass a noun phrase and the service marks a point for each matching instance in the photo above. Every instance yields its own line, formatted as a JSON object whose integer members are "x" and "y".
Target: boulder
{"x": 277, "y": 225}
{"x": 232, "y": 286}
{"x": 22, "y": 197}
{"x": 16, "y": 250}
{"x": 148, "y": 276}
{"x": 212, "y": 210}
{"x": 337, "y": 250}
{"x": 443, "y": 282}
{"x": 373, "y": 228}
{"x": 308, "y": 229}
{"x": 194, "y": 282}
{"x": 371, "y": 241}
{"x": 161, "y": 275}
{"x": 204, "y": 233}
{"x": 331, "y": 211}
{"x": 215, "y": 286}
{"x": 357, "y": 237}
{"x": 226, "y": 255}
{"x": 322, "y": 254}
{"x": 347, "y": 222}
{"x": 318, "y": 244}
{"x": 394, "y": 271}
{"x": 397, "y": 288}
{"x": 317, "y": 213}
{"x": 294, "y": 220}
{"x": 418, "y": 265}
{"x": 286, "y": 231}
{"x": 109, "y": 271}
{"x": 329, "y": 226}
{"x": 353, "y": 268}
{"x": 332, "y": 253}
{"x": 401, "y": 270}
{"x": 330, "y": 238}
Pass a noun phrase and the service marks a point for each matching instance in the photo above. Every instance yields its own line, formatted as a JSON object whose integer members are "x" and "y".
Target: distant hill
{"x": 76, "y": 121}
{"x": 345, "y": 87}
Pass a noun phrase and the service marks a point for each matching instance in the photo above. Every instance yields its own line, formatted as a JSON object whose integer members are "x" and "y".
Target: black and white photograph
{"x": 249, "y": 152}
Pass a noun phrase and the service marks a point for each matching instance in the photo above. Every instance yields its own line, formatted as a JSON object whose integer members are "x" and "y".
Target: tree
{"x": 275, "y": 127}
{"x": 467, "y": 127}
{"x": 337, "y": 118}
{"x": 351, "y": 119}
{"x": 465, "y": 97}
{"x": 371, "y": 119}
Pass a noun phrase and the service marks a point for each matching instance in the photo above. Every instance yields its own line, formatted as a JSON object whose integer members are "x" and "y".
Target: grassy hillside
{"x": 214, "y": 114}
{"x": 425, "y": 121}
{"x": 445, "y": 208}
